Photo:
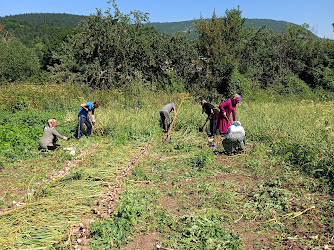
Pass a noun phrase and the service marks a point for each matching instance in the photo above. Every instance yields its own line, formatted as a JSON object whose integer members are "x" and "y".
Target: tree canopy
{"x": 112, "y": 50}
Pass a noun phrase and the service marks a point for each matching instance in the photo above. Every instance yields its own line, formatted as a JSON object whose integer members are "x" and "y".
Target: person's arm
{"x": 56, "y": 133}
{"x": 84, "y": 106}
{"x": 234, "y": 115}
{"x": 174, "y": 108}
{"x": 222, "y": 109}
{"x": 210, "y": 115}
{"x": 93, "y": 117}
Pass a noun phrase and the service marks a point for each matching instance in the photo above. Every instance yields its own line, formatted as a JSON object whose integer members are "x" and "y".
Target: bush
{"x": 17, "y": 62}
{"x": 20, "y": 133}
{"x": 292, "y": 85}
{"x": 240, "y": 84}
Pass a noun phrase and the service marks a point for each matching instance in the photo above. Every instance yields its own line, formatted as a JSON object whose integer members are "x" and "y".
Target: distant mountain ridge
{"x": 183, "y": 27}
{"x": 187, "y": 27}
{"x": 51, "y": 19}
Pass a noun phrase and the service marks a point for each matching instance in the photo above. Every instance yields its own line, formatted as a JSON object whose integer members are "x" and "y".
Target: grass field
{"x": 126, "y": 188}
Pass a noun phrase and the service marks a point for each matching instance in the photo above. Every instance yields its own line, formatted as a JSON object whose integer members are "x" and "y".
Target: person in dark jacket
{"x": 164, "y": 114}
{"x": 212, "y": 113}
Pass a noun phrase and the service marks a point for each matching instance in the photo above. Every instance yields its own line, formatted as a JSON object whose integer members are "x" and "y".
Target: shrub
{"x": 201, "y": 160}
{"x": 292, "y": 85}
{"x": 240, "y": 84}
{"x": 17, "y": 62}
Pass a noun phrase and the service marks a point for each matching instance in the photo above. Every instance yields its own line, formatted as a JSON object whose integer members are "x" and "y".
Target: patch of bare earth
{"x": 150, "y": 241}
{"x": 255, "y": 236}
{"x": 247, "y": 229}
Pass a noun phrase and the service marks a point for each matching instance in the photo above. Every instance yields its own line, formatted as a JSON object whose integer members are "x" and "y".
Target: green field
{"x": 127, "y": 188}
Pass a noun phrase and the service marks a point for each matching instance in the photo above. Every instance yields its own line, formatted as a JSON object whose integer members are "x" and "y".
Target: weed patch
{"x": 200, "y": 161}
{"x": 133, "y": 207}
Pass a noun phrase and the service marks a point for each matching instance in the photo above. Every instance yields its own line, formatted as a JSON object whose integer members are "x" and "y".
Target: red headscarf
{"x": 52, "y": 123}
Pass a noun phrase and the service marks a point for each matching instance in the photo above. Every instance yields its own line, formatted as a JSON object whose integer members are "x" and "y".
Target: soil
{"x": 150, "y": 241}
{"x": 253, "y": 236}
{"x": 105, "y": 206}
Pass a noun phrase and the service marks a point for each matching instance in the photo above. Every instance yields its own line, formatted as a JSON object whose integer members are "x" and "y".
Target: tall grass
{"x": 300, "y": 132}
{"x": 296, "y": 132}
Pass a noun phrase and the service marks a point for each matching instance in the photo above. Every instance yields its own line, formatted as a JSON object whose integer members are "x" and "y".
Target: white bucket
{"x": 70, "y": 150}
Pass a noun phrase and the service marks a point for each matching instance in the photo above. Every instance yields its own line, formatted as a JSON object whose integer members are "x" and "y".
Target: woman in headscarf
{"x": 226, "y": 108}
{"x": 50, "y": 136}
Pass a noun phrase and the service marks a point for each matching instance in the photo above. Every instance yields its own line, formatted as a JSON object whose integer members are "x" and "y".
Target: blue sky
{"x": 319, "y": 14}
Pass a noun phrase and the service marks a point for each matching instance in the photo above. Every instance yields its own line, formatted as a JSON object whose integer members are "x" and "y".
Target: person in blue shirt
{"x": 84, "y": 117}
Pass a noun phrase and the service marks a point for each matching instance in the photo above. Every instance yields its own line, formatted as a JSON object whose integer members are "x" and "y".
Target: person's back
{"x": 235, "y": 139}
{"x": 236, "y": 130}
{"x": 49, "y": 138}
{"x": 168, "y": 107}
{"x": 164, "y": 114}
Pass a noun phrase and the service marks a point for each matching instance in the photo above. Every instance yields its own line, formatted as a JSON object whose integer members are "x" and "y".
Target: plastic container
{"x": 70, "y": 150}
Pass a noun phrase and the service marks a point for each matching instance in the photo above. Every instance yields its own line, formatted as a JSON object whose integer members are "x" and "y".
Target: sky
{"x": 318, "y": 14}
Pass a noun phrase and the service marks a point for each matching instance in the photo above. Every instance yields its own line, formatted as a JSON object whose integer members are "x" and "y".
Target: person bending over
{"x": 212, "y": 113}
{"x": 226, "y": 108}
{"x": 235, "y": 139}
{"x": 84, "y": 117}
{"x": 164, "y": 114}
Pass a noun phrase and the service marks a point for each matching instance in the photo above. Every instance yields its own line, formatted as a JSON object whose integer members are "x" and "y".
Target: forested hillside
{"x": 188, "y": 28}
{"x": 68, "y": 20}
{"x": 52, "y": 19}
{"x": 113, "y": 49}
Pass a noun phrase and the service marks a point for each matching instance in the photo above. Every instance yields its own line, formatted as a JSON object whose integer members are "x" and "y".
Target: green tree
{"x": 220, "y": 48}
{"x": 17, "y": 62}
{"x": 114, "y": 49}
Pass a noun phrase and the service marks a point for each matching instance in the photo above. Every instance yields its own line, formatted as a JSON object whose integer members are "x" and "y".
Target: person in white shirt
{"x": 235, "y": 139}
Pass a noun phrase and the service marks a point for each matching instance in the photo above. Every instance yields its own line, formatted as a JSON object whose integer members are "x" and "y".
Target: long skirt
{"x": 223, "y": 124}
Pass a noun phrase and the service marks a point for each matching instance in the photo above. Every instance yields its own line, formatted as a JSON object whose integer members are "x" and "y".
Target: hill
{"x": 185, "y": 27}
{"x": 52, "y": 19}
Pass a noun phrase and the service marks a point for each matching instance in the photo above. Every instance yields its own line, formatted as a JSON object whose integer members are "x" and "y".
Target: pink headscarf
{"x": 52, "y": 123}
{"x": 236, "y": 99}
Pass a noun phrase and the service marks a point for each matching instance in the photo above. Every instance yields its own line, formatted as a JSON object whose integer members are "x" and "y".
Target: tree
{"x": 220, "y": 46}
{"x": 17, "y": 62}
{"x": 113, "y": 49}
